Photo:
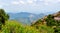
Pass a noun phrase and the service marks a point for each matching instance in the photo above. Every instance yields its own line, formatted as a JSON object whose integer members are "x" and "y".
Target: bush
{"x": 14, "y": 27}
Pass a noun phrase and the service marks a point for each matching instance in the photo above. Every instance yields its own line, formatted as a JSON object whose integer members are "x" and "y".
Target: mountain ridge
{"x": 25, "y": 17}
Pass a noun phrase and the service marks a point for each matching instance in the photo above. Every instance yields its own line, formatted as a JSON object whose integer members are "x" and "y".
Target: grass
{"x": 15, "y": 27}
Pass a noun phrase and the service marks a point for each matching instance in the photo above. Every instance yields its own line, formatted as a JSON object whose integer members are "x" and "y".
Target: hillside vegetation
{"x": 48, "y": 24}
{"x": 7, "y": 26}
{"x": 14, "y": 27}
{"x": 51, "y": 21}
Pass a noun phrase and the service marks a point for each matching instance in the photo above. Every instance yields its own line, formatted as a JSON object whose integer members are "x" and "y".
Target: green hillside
{"x": 48, "y": 24}
{"x": 51, "y": 23}
{"x": 14, "y": 27}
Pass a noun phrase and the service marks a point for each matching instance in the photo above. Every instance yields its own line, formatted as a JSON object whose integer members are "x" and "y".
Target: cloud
{"x": 30, "y": 5}
{"x": 46, "y": 3}
{"x": 41, "y": 0}
{"x": 50, "y": 2}
{"x": 18, "y": 2}
{"x": 58, "y": 0}
{"x": 30, "y": 1}
{"x": 15, "y": 2}
{"x": 22, "y": 2}
{"x": 35, "y": 0}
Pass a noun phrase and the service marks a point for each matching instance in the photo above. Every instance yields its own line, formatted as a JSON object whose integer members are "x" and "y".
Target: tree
{"x": 3, "y": 17}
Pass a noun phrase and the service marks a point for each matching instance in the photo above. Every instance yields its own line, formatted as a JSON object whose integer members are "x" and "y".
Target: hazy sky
{"x": 33, "y": 6}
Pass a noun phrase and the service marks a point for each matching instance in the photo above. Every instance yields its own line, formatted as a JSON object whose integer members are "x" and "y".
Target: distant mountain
{"x": 25, "y": 17}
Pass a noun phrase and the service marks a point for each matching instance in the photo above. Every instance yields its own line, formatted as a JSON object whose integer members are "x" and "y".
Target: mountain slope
{"x": 25, "y": 17}
{"x": 51, "y": 20}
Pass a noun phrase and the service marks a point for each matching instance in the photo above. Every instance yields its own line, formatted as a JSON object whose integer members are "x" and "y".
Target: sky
{"x": 32, "y": 6}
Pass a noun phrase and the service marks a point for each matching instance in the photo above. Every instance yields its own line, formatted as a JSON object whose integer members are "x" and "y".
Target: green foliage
{"x": 3, "y": 17}
{"x": 37, "y": 22}
{"x": 57, "y": 30}
{"x": 50, "y": 20}
{"x": 15, "y": 27}
{"x": 52, "y": 25}
{"x": 45, "y": 29}
{"x": 38, "y": 27}
{"x": 50, "y": 16}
